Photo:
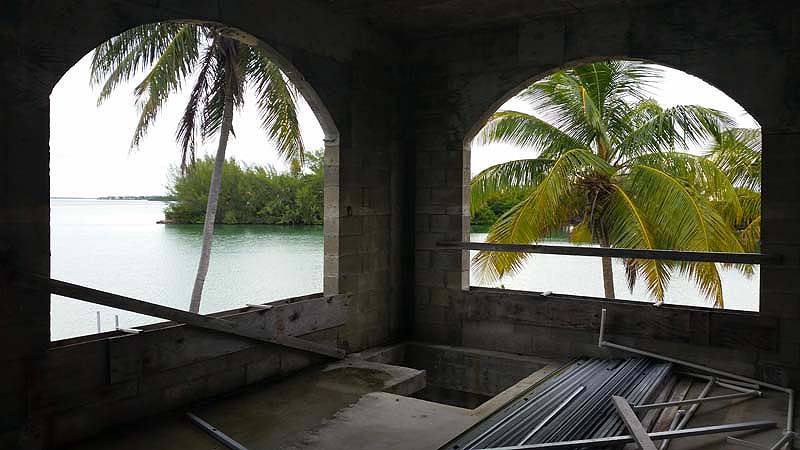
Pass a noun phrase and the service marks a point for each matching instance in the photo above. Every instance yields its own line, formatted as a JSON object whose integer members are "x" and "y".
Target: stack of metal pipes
{"x": 574, "y": 404}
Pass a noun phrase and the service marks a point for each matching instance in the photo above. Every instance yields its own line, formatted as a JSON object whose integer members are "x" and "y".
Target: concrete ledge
{"x": 400, "y": 381}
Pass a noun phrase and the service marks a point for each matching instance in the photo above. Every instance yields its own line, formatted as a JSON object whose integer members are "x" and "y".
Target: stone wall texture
{"x": 746, "y": 49}
{"x": 399, "y": 107}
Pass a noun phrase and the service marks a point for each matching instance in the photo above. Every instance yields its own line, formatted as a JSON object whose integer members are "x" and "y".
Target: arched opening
{"x": 618, "y": 155}
{"x": 106, "y": 234}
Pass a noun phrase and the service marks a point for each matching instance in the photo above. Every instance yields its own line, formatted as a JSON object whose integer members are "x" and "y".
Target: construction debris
{"x": 573, "y": 405}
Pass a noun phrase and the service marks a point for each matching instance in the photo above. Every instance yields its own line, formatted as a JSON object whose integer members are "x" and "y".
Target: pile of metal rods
{"x": 573, "y": 405}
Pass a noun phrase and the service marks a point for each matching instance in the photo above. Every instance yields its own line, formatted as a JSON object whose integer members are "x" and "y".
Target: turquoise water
{"x": 118, "y": 247}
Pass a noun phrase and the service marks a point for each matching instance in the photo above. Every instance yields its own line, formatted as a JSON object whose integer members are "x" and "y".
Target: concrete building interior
{"x": 400, "y": 351}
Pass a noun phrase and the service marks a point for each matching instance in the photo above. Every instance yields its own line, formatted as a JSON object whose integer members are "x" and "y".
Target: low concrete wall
{"x": 463, "y": 369}
{"x": 559, "y": 326}
{"x": 90, "y": 385}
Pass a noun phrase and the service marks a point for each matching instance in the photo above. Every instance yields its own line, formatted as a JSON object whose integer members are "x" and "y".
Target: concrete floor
{"x": 317, "y": 409}
{"x": 360, "y": 405}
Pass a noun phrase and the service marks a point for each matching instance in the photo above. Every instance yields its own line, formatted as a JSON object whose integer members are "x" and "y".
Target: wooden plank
{"x": 666, "y": 255}
{"x": 650, "y": 417}
{"x": 678, "y": 393}
{"x": 167, "y": 348}
{"x": 632, "y": 423}
{"x": 164, "y": 312}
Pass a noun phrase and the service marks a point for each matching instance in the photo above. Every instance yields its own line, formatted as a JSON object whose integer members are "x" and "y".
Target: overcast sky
{"x": 89, "y": 145}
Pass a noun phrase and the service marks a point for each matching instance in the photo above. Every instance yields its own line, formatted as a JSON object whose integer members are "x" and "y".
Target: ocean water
{"x": 116, "y": 246}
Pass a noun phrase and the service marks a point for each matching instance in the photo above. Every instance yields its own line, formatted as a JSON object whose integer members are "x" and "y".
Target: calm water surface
{"x": 118, "y": 247}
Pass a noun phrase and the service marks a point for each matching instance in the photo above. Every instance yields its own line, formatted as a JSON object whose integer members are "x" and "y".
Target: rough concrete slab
{"x": 265, "y": 416}
{"x": 388, "y": 422}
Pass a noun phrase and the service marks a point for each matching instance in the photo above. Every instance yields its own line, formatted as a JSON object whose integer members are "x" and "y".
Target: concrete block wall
{"x": 90, "y": 385}
{"x": 745, "y": 48}
{"x": 346, "y": 72}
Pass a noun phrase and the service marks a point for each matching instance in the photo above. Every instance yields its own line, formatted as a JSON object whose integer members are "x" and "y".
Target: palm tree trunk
{"x": 213, "y": 199}
{"x": 608, "y": 273}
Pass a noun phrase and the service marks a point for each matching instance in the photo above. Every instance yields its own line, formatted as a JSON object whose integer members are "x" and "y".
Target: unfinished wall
{"x": 351, "y": 85}
{"x": 747, "y": 49}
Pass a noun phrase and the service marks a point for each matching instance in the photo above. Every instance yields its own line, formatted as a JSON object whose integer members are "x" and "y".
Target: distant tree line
{"x": 153, "y": 198}
{"x": 250, "y": 194}
{"x": 495, "y": 207}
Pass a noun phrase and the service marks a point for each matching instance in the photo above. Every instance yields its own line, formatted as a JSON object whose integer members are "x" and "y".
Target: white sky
{"x": 89, "y": 145}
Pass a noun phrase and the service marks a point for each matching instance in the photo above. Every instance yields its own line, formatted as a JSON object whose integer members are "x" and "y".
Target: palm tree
{"x": 220, "y": 67}
{"x": 610, "y": 169}
{"x": 737, "y": 152}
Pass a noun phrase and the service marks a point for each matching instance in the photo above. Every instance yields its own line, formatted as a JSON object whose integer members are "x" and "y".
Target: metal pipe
{"x": 98, "y": 321}
{"x": 785, "y": 439}
{"x": 223, "y": 438}
{"x": 625, "y": 439}
{"x": 257, "y": 306}
{"x": 734, "y": 387}
{"x": 675, "y": 419}
{"x": 788, "y": 391}
{"x": 693, "y": 365}
{"x": 665, "y": 255}
{"x": 697, "y": 400}
{"x": 749, "y": 386}
{"x": 600, "y": 339}
{"x": 550, "y": 416}
{"x": 686, "y": 417}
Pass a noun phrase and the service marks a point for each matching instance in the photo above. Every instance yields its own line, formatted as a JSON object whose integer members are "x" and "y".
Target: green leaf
{"x": 519, "y": 175}
{"x": 544, "y": 211}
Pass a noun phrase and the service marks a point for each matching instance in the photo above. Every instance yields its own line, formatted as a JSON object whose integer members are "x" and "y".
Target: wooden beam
{"x": 176, "y": 315}
{"x": 633, "y": 424}
{"x": 666, "y": 255}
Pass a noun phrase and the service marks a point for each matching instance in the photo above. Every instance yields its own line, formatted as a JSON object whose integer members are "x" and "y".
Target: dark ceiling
{"x": 424, "y": 18}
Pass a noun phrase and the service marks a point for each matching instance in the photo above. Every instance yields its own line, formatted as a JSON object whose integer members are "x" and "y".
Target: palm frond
{"x": 190, "y": 123}
{"x": 522, "y": 174}
{"x": 702, "y": 174}
{"x": 654, "y": 129}
{"x": 277, "y": 103}
{"x": 683, "y": 220}
{"x": 173, "y": 65}
{"x": 738, "y": 152}
{"x": 225, "y": 72}
{"x": 525, "y": 130}
{"x": 120, "y": 58}
{"x": 626, "y": 227}
{"x": 545, "y": 210}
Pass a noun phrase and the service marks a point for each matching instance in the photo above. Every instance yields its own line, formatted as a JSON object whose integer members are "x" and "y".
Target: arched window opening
{"x": 619, "y": 155}
{"x": 135, "y": 130}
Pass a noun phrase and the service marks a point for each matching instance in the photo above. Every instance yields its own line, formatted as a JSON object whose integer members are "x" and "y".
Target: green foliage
{"x": 496, "y": 206}
{"x": 611, "y": 168}
{"x": 250, "y": 195}
{"x": 173, "y": 54}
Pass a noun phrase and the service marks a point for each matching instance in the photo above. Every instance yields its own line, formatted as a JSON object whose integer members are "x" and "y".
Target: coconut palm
{"x": 610, "y": 167}
{"x": 220, "y": 68}
{"x": 737, "y": 152}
